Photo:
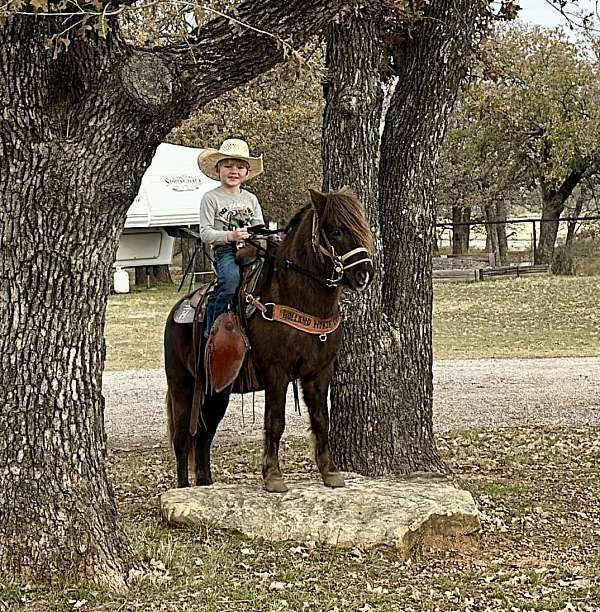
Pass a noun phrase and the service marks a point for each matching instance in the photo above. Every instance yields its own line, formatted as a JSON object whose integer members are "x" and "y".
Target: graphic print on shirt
{"x": 237, "y": 216}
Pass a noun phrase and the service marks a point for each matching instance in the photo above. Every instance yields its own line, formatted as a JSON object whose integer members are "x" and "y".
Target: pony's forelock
{"x": 344, "y": 209}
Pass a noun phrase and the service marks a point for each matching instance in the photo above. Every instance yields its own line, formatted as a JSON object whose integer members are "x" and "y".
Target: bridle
{"x": 322, "y": 248}
{"x": 338, "y": 261}
{"x": 318, "y": 239}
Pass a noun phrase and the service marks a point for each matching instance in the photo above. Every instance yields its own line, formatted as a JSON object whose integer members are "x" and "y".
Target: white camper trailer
{"x": 169, "y": 197}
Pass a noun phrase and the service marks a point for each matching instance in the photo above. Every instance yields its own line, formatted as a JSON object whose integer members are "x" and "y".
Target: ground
{"x": 521, "y": 435}
{"x": 475, "y": 394}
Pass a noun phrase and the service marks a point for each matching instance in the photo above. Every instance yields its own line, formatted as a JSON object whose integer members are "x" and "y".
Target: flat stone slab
{"x": 367, "y": 512}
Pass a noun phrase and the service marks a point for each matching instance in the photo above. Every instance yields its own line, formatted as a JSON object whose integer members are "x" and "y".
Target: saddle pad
{"x": 184, "y": 313}
{"x": 225, "y": 352}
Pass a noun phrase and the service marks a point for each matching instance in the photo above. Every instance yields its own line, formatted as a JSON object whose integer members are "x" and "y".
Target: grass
{"x": 530, "y": 317}
{"x": 538, "y": 549}
{"x": 538, "y": 491}
{"x": 135, "y": 325}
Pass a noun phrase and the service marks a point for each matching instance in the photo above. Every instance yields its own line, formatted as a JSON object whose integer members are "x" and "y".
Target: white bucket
{"x": 121, "y": 281}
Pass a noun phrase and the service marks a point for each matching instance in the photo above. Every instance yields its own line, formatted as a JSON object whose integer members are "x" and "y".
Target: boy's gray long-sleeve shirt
{"x": 219, "y": 210}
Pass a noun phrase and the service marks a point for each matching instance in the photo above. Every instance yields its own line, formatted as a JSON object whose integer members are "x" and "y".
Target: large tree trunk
{"x": 350, "y": 148}
{"x": 76, "y": 135}
{"x": 501, "y": 215}
{"x": 551, "y": 213}
{"x": 383, "y": 392}
{"x": 572, "y": 225}
{"x": 58, "y": 239}
{"x": 496, "y": 241}
{"x": 492, "y": 243}
{"x": 147, "y": 276}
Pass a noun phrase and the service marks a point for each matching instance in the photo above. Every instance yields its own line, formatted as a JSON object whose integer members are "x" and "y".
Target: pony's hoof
{"x": 275, "y": 485}
{"x": 204, "y": 482}
{"x": 334, "y": 480}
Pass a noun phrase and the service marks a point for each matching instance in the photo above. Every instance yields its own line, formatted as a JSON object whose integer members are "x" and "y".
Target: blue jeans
{"x": 228, "y": 280}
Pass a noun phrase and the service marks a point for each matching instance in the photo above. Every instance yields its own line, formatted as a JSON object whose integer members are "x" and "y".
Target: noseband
{"x": 339, "y": 267}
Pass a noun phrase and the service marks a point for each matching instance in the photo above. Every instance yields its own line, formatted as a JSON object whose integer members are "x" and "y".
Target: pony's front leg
{"x": 275, "y": 393}
{"x": 315, "y": 396}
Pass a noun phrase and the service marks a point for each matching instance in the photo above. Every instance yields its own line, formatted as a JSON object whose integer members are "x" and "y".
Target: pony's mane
{"x": 342, "y": 209}
{"x": 294, "y": 222}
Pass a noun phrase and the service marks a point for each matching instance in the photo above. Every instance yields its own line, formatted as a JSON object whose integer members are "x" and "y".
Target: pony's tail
{"x": 170, "y": 425}
{"x": 170, "y": 434}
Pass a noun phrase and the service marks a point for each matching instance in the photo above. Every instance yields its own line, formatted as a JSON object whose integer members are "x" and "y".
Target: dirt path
{"x": 468, "y": 394}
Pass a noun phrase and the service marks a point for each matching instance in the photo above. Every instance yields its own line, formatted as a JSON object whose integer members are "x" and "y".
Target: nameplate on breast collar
{"x": 305, "y": 322}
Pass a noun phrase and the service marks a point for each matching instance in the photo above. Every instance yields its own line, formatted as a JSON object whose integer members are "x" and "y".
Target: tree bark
{"x": 350, "y": 152}
{"x": 496, "y": 241}
{"x": 430, "y": 69}
{"x": 492, "y": 242}
{"x": 382, "y": 394}
{"x": 76, "y": 135}
{"x": 461, "y": 233}
{"x": 57, "y": 514}
{"x": 501, "y": 215}
{"x": 146, "y": 276}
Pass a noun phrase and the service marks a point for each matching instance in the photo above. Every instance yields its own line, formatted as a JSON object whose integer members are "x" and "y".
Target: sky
{"x": 541, "y": 12}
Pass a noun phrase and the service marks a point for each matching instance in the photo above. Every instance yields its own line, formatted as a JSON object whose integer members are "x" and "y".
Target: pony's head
{"x": 341, "y": 237}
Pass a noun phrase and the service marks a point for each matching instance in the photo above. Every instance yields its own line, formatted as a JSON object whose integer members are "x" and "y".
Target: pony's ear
{"x": 318, "y": 200}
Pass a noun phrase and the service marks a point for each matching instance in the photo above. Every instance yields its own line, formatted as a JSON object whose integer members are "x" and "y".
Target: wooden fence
{"x": 482, "y": 274}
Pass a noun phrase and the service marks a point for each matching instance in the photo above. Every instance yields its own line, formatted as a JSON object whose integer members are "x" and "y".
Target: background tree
{"x": 535, "y": 105}
{"x": 83, "y": 113}
{"x": 280, "y": 114}
{"x": 473, "y": 186}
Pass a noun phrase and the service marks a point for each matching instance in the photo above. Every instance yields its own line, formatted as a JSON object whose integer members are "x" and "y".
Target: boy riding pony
{"x": 225, "y": 214}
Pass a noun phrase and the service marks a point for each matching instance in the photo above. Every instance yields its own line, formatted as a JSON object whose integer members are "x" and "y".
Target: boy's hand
{"x": 238, "y": 234}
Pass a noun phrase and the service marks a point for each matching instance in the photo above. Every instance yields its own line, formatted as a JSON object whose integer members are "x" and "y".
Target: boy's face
{"x": 233, "y": 172}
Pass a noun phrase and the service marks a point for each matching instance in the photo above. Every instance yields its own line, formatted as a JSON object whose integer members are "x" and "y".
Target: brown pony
{"x": 325, "y": 246}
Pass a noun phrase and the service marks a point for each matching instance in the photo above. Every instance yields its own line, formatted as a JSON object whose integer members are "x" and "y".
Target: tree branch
{"x": 225, "y": 55}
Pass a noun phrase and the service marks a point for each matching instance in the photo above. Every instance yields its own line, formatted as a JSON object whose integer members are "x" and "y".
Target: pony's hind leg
{"x": 315, "y": 396}
{"x": 275, "y": 392}
{"x": 179, "y": 405}
{"x": 213, "y": 411}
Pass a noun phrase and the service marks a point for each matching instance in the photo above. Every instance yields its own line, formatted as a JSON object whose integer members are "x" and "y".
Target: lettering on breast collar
{"x": 295, "y": 317}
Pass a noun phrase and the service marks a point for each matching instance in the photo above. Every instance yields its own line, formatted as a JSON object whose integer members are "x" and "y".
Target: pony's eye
{"x": 336, "y": 233}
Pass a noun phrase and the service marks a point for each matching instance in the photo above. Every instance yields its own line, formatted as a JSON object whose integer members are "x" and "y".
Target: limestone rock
{"x": 367, "y": 512}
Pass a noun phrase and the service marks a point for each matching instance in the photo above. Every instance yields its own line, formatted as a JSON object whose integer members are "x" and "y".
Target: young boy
{"x": 225, "y": 214}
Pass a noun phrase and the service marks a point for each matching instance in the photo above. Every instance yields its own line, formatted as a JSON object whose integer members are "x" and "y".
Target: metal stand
{"x": 190, "y": 267}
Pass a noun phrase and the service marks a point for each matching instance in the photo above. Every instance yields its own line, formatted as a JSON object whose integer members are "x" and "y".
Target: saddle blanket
{"x": 185, "y": 313}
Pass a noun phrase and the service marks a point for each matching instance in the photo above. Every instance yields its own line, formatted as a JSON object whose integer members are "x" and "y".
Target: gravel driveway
{"x": 468, "y": 394}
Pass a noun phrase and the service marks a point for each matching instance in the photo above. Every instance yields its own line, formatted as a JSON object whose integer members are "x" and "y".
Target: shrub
{"x": 563, "y": 262}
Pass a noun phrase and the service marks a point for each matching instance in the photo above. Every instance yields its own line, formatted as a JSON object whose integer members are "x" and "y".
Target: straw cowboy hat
{"x": 233, "y": 148}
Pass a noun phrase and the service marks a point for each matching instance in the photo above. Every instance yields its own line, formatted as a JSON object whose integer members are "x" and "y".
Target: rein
{"x": 338, "y": 261}
{"x": 287, "y": 264}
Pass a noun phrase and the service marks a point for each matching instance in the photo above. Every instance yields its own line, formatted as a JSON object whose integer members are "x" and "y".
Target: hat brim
{"x": 209, "y": 158}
